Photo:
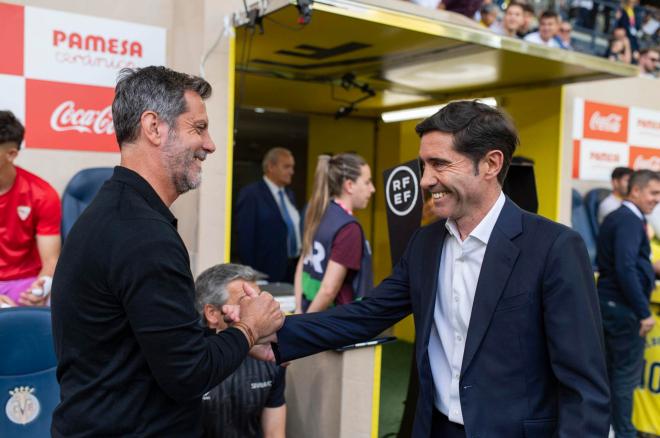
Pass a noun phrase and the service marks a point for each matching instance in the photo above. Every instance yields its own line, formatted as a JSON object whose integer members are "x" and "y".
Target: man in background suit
{"x": 267, "y": 221}
{"x": 624, "y": 286}
{"x": 509, "y": 338}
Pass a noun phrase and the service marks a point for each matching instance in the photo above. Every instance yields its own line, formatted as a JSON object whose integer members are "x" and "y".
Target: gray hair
{"x": 272, "y": 156}
{"x": 641, "y": 178}
{"x": 211, "y": 285}
{"x": 153, "y": 88}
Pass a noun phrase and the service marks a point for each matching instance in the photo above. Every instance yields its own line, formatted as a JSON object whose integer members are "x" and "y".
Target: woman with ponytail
{"x": 335, "y": 263}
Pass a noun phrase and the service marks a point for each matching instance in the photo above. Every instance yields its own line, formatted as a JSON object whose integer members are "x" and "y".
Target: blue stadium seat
{"x": 79, "y": 193}
{"x": 28, "y": 388}
{"x": 592, "y": 200}
{"x": 581, "y": 224}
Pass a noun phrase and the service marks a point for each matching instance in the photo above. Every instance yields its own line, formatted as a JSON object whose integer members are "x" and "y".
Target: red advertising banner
{"x": 605, "y": 122}
{"x": 11, "y": 39}
{"x": 69, "y": 116}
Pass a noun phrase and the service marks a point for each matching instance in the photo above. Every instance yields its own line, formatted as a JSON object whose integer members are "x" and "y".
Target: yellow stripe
{"x": 231, "y": 69}
{"x": 560, "y": 152}
{"x": 375, "y": 402}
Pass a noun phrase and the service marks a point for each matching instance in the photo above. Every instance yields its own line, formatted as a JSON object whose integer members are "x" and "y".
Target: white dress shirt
{"x": 293, "y": 212}
{"x": 460, "y": 266}
{"x": 635, "y": 210}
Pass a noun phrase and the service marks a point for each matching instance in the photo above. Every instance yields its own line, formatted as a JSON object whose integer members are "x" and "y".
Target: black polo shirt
{"x": 132, "y": 357}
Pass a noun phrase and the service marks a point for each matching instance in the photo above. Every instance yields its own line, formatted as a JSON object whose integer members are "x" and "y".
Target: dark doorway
{"x": 257, "y": 131}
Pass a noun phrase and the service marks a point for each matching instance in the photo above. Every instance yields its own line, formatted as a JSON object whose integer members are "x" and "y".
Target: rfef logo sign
{"x": 404, "y": 205}
{"x": 401, "y": 190}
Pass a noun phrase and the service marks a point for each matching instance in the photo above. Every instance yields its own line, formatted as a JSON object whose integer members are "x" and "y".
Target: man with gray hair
{"x": 267, "y": 221}
{"x": 132, "y": 357}
{"x": 250, "y": 402}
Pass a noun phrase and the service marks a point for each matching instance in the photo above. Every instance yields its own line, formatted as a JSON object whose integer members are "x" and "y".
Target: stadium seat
{"x": 581, "y": 224}
{"x": 79, "y": 193}
{"x": 592, "y": 200}
{"x": 28, "y": 388}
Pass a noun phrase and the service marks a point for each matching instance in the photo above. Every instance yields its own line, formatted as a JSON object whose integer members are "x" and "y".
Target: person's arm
{"x": 49, "y": 251}
{"x": 627, "y": 51}
{"x": 297, "y": 285}
{"x": 273, "y": 418}
{"x": 273, "y": 422}
{"x": 333, "y": 278}
{"x": 627, "y": 241}
{"x": 574, "y": 338}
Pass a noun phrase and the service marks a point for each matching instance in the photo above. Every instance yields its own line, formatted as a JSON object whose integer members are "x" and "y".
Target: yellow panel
{"x": 536, "y": 114}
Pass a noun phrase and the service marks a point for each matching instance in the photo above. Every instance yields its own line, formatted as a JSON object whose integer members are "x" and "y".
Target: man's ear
{"x": 492, "y": 164}
{"x": 151, "y": 128}
{"x": 12, "y": 154}
{"x": 212, "y": 315}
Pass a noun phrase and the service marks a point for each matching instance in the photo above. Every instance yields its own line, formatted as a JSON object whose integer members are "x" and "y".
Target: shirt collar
{"x": 140, "y": 185}
{"x": 484, "y": 229}
{"x": 635, "y": 209}
{"x": 274, "y": 188}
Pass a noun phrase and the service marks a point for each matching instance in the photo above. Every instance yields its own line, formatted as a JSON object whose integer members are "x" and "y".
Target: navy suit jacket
{"x": 534, "y": 363}
{"x": 261, "y": 231}
{"x": 624, "y": 263}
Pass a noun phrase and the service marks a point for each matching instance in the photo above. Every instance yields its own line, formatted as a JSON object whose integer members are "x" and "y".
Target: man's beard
{"x": 179, "y": 164}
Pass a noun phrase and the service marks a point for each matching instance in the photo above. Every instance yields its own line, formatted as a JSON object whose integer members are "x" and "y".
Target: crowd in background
{"x": 631, "y": 30}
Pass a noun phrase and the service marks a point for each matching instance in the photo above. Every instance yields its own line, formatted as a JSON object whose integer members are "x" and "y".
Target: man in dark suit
{"x": 267, "y": 220}
{"x": 509, "y": 339}
{"x": 624, "y": 286}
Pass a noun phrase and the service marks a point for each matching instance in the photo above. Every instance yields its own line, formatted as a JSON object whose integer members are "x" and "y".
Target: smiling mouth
{"x": 439, "y": 195}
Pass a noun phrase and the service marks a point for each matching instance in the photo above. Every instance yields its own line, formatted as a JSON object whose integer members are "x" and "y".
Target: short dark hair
{"x": 549, "y": 14}
{"x": 620, "y": 172}
{"x": 642, "y": 178}
{"x": 526, "y": 7}
{"x": 11, "y": 130}
{"x": 476, "y": 129}
{"x": 153, "y": 88}
{"x": 515, "y": 4}
{"x": 648, "y": 49}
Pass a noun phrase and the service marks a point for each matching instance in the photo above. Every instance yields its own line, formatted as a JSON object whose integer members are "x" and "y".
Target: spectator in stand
{"x": 649, "y": 63}
{"x": 488, "y": 14}
{"x": 512, "y": 22}
{"x": 629, "y": 16}
{"x": 30, "y": 216}
{"x": 547, "y": 33}
{"x": 620, "y": 179}
{"x": 564, "y": 36}
{"x": 585, "y": 12}
{"x": 529, "y": 19}
{"x": 463, "y": 7}
{"x": 619, "y": 48}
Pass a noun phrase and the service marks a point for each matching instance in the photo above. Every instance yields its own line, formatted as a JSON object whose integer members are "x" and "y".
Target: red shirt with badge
{"x": 30, "y": 207}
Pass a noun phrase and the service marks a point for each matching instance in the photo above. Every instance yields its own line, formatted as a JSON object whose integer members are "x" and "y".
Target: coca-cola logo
{"x": 67, "y": 118}
{"x": 641, "y": 162}
{"x": 609, "y": 123}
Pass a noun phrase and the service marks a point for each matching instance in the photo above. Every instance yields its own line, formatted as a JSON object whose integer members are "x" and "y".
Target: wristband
{"x": 248, "y": 333}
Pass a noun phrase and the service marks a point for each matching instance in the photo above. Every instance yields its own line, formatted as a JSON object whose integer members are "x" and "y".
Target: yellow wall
{"x": 536, "y": 114}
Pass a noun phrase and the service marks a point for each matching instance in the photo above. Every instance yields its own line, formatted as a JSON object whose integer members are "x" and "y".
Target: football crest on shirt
{"x": 23, "y": 211}
{"x": 23, "y": 407}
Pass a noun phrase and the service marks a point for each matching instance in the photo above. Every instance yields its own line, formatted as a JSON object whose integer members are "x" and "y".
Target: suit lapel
{"x": 501, "y": 255}
{"x": 267, "y": 195}
{"x": 431, "y": 256}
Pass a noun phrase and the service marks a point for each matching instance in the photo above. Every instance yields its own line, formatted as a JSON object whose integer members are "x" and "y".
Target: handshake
{"x": 258, "y": 316}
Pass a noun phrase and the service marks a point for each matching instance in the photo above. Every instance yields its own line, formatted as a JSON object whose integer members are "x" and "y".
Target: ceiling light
{"x": 423, "y": 111}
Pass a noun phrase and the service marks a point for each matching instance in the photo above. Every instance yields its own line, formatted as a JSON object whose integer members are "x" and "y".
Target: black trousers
{"x": 441, "y": 427}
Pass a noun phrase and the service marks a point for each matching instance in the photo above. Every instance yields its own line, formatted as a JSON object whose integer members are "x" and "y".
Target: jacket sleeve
{"x": 388, "y": 303}
{"x": 627, "y": 241}
{"x": 575, "y": 339}
{"x": 245, "y": 220}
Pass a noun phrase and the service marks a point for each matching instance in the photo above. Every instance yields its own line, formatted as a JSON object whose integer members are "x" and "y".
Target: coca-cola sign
{"x": 644, "y": 158}
{"x": 68, "y": 116}
{"x": 605, "y": 122}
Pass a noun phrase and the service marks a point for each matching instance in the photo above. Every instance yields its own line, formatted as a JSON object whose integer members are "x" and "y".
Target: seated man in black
{"x": 250, "y": 402}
